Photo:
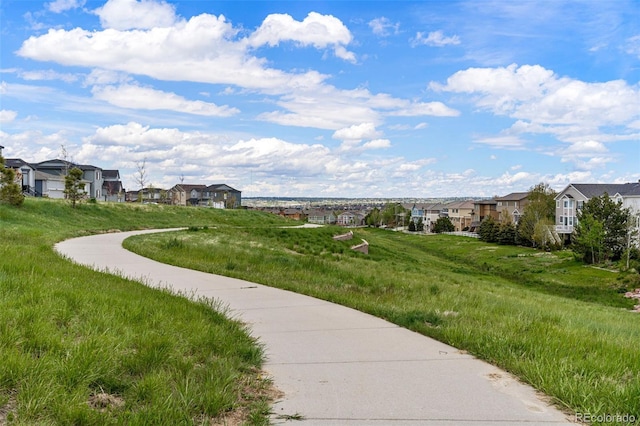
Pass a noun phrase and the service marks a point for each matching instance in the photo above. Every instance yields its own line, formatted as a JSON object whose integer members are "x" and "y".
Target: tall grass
{"x": 83, "y": 347}
{"x": 560, "y": 326}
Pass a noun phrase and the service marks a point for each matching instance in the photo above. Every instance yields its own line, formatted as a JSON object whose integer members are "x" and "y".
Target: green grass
{"x": 87, "y": 348}
{"x": 558, "y": 325}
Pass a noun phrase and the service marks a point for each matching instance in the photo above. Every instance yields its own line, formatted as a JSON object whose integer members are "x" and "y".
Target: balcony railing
{"x": 564, "y": 229}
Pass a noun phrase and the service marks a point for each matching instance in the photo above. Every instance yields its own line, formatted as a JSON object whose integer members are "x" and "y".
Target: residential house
{"x": 322, "y": 217}
{"x": 218, "y": 195}
{"x": 349, "y": 218}
{"x": 481, "y": 210}
{"x": 112, "y": 188}
{"x": 513, "y": 204}
{"x": 25, "y": 174}
{"x": 571, "y": 200}
{"x": 222, "y": 196}
{"x": 186, "y": 194}
{"x": 54, "y": 169}
{"x": 149, "y": 195}
{"x": 295, "y": 214}
{"x": 460, "y": 214}
{"x": 432, "y": 212}
{"x": 418, "y": 212}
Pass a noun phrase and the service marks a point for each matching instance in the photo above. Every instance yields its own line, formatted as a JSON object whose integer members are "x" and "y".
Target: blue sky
{"x": 328, "y": 98}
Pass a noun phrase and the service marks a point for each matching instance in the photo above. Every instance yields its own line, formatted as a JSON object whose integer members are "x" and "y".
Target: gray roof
{"x": 514, "y": 196}
{"x": 591, "y": 190}
{"x": 15, "y": 163}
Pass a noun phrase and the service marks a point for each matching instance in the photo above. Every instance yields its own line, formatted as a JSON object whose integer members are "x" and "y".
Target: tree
{"x": 73, "y": 186}
{"x": 614, "y": 219}
{"x": 10, "y": 190}
{"x": 488, "y": 230}
{"x": 506, "y": 233}
{"x": 141, "y": 177}
{"x": 545, "y": 236}
{"x": 588, "y": 238}
{"x": 420, "y": 225}
{"x": 541, "y": 207}
{"x": 443, "y": 224}
{"x": 374, "y": 218}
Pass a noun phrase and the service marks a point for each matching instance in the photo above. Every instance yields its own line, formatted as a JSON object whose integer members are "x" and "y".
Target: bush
{"x": 443, "y": 224}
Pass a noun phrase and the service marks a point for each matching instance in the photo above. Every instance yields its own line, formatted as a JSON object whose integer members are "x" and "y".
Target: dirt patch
{"x": 8, "y": 410}
{"x": 103, "y": 401}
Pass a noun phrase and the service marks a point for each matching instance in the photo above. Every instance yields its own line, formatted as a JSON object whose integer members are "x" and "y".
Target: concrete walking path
{"x": 338, "y": 366}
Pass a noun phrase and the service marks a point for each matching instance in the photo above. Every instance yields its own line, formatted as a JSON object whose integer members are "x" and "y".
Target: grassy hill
{"x": 82, "y": 347}
{"x": 557, "y": 324}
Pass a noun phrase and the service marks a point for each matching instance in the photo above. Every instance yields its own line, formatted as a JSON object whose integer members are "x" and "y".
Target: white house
{"x": 571, "y": 200}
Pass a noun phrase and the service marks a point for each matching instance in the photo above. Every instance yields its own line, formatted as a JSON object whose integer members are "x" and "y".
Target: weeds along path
{"x": 335, "y": 365}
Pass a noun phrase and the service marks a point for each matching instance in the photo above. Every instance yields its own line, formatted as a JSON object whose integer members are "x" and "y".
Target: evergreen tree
{"x": 10, "y": 191}
{"x": 506, "y": 234}
{"x": 73, "y": 186}
{"x": 488, "y": 230}
{"x": 443, "y": 224}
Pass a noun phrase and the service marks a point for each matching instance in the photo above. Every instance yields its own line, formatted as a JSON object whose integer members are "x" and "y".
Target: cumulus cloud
{"x": 208, "y": 49}
{"x": 319, "y": 31}
{"x": 541, "y": 102}
{"x": 357, "y": 132}
{"x": 134, "y": 14}
{"x": 434, "y": 38}
{"x": 136, "y": 97}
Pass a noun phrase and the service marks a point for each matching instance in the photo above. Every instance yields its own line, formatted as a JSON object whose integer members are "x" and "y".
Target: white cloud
{"x": 133, "y": 14}
{"x": 136, "y": 97}
{"x": 7, "y": 116}
{"x": 502, "y": 141}
{"x": 542, "y": 103}
{"x": 357, "y": 132}
{"x": 377, "y": 144}
{"x": 59, "y": 6}
{"x": 206, "y": 49}
{"x": 319, "y": 31}
{"x": 435, "y": 38}
{"x": 383, "y": 27}
{"x": 48, "y": 75}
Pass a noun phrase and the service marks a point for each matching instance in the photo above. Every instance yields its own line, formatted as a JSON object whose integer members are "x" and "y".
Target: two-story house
{"x": 460, "y": 214}
{"x": 52, "y": 172}
{"x": 322, "y": 217}
{"x": 571, "y": 200}
{"x": 512, "y": 204}
{"x": 218, "y": 195}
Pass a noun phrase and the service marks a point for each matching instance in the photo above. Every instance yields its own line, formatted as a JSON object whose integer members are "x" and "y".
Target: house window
{"x": 580, "y": 205}
{"x": 557, "y": 204}
{"x": 561, "y": 220}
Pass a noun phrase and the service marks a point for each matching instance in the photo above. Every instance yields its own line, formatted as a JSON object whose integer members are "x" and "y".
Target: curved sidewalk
{"x": 338, "y": 366}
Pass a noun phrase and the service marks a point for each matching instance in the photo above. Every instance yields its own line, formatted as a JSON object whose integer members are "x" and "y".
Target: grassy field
{"x": 86, "y": 348}
{"x": 559, "y": 325}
